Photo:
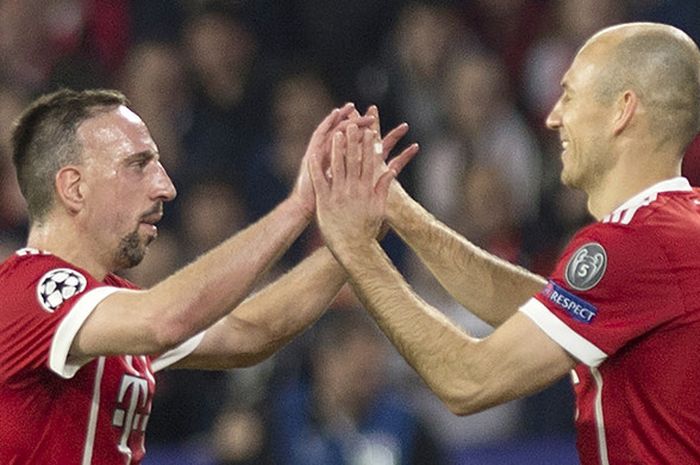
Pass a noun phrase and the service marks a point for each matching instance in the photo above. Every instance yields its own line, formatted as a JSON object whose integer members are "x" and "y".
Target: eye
{"x": 140, "y": 163}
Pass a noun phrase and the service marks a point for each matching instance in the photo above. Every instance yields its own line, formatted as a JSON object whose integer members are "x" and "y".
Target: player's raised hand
{"x": 350, "y": 204}
{"x": 320, "y": 144}
{"x": 388, "y": 143}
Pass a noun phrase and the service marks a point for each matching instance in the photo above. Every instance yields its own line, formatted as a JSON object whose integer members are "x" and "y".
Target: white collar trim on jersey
{"x": 31, "y": 251}
{"x": 677, "y": 184}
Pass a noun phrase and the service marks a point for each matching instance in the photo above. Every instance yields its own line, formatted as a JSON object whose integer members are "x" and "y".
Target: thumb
{"x": 318, "y": 180}
{"x": 383, "y": 183}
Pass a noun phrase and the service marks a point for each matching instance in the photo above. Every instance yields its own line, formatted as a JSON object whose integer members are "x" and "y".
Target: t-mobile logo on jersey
{"x": 133, "y": 395}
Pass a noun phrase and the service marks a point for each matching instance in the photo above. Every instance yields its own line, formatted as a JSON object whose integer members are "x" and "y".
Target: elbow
{"x": 253, "y": 343}
{"x": 166, "y": 335}
{"x": 467, "y": 394}
{"x": 464, "y": 401}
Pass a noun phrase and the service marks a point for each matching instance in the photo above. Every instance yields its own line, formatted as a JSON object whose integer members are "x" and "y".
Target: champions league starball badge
{"x": 57, "y": 286}
{"x": 586, "y": 267}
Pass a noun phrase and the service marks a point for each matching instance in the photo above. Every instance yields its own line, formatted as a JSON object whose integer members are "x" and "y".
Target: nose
{"x": 164, "y": 188}
{"x": 553, "y": 120}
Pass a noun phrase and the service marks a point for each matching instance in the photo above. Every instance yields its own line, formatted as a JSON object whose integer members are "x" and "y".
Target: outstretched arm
{"x": 199, "y": 295}
{"x": 488, "y": 286}
{"x": 468, "y": 374}
{"x": 271, "y": 318}
{"x": 491, "y": 288}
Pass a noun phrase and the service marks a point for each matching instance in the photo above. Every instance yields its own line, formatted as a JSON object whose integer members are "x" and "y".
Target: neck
{"x": 628, "y": 178}
{"x": 66, "y": 243}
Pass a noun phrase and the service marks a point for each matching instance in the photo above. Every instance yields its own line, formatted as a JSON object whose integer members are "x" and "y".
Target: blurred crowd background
{"x": 232, "y": 91}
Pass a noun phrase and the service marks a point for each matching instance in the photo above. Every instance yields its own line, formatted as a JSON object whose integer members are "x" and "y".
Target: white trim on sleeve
{"x": 178, "y": 353}
{"x": 570, "y": 340}
{"x": 69, "y": 327}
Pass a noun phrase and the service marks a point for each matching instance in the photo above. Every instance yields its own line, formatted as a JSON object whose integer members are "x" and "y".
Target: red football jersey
{"x": 55, "y": 409}
{"x": 625, "y": 301}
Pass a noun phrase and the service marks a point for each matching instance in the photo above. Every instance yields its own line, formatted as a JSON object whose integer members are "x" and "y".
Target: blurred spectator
{"x": 210, "y": 211}
{"x": 344, "y": 38}
{"x": 88, "y": 41}
{"x": 154, "y": 80}
{"x": 239, "y": 438}
{"x": 483, "y": 126}
{"x": 348, "y": 413}
{"x": 34, "y": 35}
{"x": 231, "y": 94}
{"x": 485, "y": 213}
{"x": 424, "y": 38}
{"x": 13, "y": 214}
{"x": 572, "y": 22}
{"x": 273, "y": 172}
{"x": 508, "y": 27}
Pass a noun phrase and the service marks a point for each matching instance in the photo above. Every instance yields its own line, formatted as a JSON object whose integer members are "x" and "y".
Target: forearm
{"x": 195, "y": 297}
{"x": 442, "y": 354}
{"x": 486, "y": 285}
{"x": 272, "y": 317}
{"x": 204, "y": 291}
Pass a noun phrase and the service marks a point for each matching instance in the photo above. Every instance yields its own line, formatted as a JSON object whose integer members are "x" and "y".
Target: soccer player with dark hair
{"x": 78, "y": 344}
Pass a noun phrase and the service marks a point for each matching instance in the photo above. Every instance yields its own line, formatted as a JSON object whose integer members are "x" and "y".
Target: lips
{"x": 152, "y": 219}
{"x": 153, "y": 216}
{"x": 149, "y": 220}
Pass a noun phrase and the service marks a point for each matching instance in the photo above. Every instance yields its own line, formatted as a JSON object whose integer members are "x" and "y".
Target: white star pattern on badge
{"x": 57, "y": 286}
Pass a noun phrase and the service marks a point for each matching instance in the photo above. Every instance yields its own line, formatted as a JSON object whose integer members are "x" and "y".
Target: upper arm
{"x": 516, "y": 360}
{"x": 122, "y": 322}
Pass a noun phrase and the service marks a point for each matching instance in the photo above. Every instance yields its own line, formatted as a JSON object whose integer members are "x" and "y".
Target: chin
{"x": 132, "y": 250}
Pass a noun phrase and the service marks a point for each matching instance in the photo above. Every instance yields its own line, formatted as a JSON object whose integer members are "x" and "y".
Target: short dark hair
{"x": 44, "y": 140}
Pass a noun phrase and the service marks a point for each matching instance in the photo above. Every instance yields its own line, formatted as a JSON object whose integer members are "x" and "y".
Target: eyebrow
{"x": 140, "y": 156}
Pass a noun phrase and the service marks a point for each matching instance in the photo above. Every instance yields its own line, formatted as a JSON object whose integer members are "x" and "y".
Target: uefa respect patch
{"x": 575, "y": 306}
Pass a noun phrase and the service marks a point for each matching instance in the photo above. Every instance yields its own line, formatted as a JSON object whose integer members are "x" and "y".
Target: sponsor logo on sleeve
{"x": 575, "y": 306}
{"x": 586, "y": 267}
{"x": 57, "y": 286}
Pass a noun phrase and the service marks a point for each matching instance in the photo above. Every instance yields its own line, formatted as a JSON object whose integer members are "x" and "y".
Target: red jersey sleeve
{"x": 46, "y": 300}
{"x": 604, "y": 291}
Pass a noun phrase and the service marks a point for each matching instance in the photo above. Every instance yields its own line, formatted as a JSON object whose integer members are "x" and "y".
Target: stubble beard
{"x": 589, "y": 170}
{"x": 131, "y": 250}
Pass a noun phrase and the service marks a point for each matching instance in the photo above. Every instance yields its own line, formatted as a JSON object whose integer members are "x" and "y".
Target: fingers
{"x": 338, "y": 149}
{"x": 369, "y": 139}
{"x": 345, "y": 111}
{"x": 353, "y": 161}
{"x": 360, "y": 122}
{"x": 374, "y": 111}
{"x": 401, "y": 160}
{"x": 393, "y": 138}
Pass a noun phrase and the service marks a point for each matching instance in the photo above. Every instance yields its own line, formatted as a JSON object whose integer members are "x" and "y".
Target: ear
{"x": 626, "y": 108}
{"x": 70, "y": 188}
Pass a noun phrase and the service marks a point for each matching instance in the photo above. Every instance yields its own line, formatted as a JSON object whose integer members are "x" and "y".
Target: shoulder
{"x": 31, "y": 275}
{"x": 646, "y": 228}
{"x": 614, "y": 253}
